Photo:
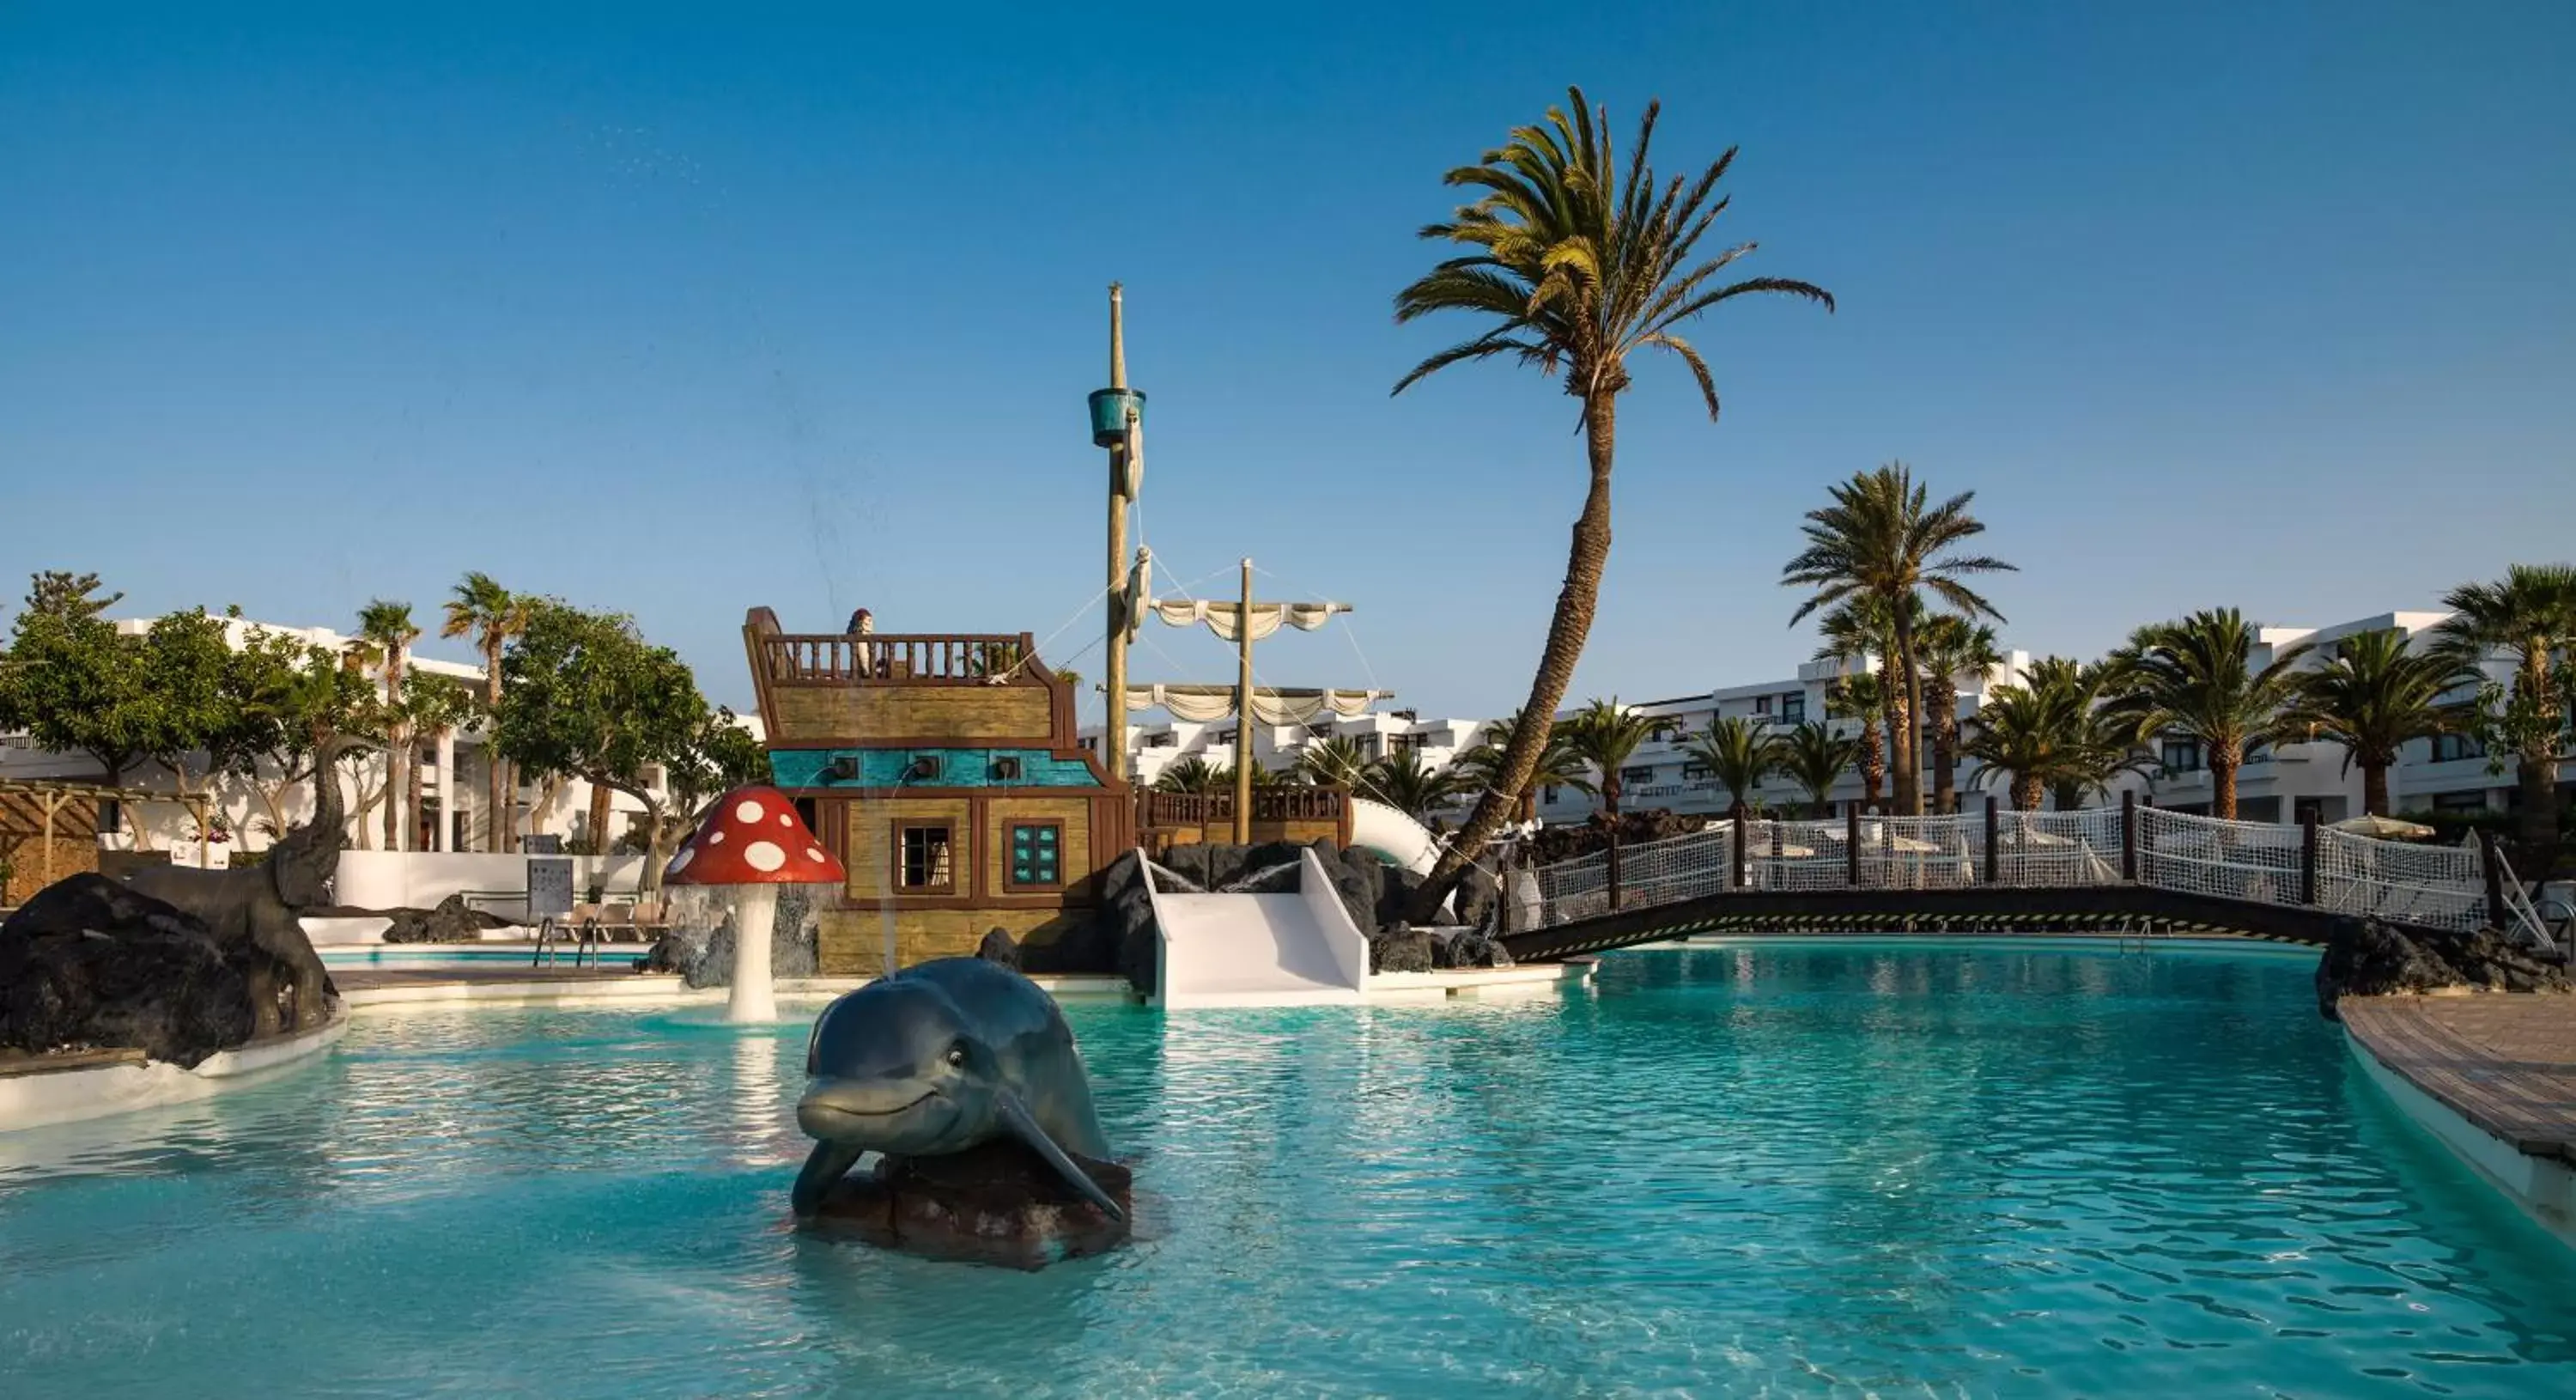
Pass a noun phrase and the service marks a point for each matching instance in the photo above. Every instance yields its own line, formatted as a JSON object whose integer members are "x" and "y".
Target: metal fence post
{"x": 2129, "y": 837}
{"x": 2495, "y": 879}
{"x": 2308, "y": 858}
{"x": 1994, "y": 851}
{"x": 1614, "y": 867}
{"x": 1851, "y": 844}
{"x": 1503, "y": 891}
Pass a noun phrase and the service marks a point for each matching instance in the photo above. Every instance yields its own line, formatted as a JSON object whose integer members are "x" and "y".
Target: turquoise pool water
{"x": 452, "y": 955}
{"x": 1788, "y": 1169}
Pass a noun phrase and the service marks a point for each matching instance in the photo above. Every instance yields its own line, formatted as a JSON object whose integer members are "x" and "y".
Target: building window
{"x": 1694, "y": 772}
{"x": 1036, "y": 855}
{"x": 1793, "y": 707}
{"x": 1225, "y": 738}
{"x": 1399, "y": 743}
{"x": 1547, "y": 794}
{"x": 2182, "y": 756}
{"x": 1645, "y": 774}
{"x": 1160, "y": 739}
{"x": 2471, "y": 801}
{"x": 2448, "y": 748}
{"x": 1319, "y": 731}
{"x": 1761, "y": 704}
{"x": 1090, "y": 743}
{"x": 923, "y": 858}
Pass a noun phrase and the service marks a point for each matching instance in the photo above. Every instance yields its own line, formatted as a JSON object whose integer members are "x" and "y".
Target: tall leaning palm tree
{"x": 2197, "y": 677}
{"x": 1606, "y": 736}
{"x": 2527, "y": 615}
{"x": 1952, "y": 647}
{"x": 1578, "y": 263}
{"x": 1739, "y": 753}
{"x": 480, "y": 607}
{"x": 1817, "y": 757}
{"x": 387, "y": 628}
{"x": 2373, "y": 695}
{"x": 1881, "y": 537}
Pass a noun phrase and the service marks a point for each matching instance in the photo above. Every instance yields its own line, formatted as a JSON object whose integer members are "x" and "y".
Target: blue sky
{"x": 2253, "y": 304}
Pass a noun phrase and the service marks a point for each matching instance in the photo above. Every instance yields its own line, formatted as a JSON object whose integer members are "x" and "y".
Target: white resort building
{"x": 2449, "y": 774}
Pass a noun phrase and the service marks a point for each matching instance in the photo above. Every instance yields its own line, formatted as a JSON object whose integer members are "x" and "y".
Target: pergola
{"x": 47, "y": 808}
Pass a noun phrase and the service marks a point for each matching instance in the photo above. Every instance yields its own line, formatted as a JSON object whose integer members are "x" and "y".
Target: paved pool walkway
{"x": 2505, "y": 1062}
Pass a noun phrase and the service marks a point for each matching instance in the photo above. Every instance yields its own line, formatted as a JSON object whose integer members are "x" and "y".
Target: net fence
{"x": 2257, "y": 862}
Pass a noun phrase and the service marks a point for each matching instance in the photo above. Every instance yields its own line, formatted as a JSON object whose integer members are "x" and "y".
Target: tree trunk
{"x": 601, "y": 796}
{"x": 2069, "y": 796}
{"x": 1891, "y": 690}
{"x": 2374, "y": 789}
{"x": 2222, "y": 784}
{"x": 496, "y": 809}
{"x": 1909, "y": 762}
{"x": 2536, "y": 767}
{"x": 397, "y": 748}
{"x": 2026, "y": 792}
{"x": 1873, "y": 763}
{"x": 1610, "y": 792}
{"x": 1942, "y": 693}
{"x": 1586, "y": 554}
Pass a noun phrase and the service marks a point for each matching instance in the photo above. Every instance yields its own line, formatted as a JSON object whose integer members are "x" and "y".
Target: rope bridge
{"x": 2108, "y": 864}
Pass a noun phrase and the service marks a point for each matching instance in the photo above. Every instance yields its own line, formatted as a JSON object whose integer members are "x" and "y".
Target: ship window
{"x": 922, "y": 855}
{"x": 1037, "y": 855}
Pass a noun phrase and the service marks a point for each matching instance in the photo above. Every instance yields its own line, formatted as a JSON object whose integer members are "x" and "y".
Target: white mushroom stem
{"x": 755, "y": 913}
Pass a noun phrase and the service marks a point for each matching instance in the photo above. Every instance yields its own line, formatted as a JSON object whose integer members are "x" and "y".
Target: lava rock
{"x": 793, "y": 944}
{"x": 669, "y": 953}
{"x": 997, "y": 947}
{"x": 1467, "y": 947}
{"x": 998, "y": 1203}
{"x": 90, "y": 963}
{"x": 450, "y": 922}
{"x": 1402, "y": 948}
{"x": 2365, "y": 957}
{"x": 1551, "y": 844}
{"x": 1124, "y": 923}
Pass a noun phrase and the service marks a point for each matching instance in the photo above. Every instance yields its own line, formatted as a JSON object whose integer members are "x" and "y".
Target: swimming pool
{"x": 1772, "y": 1169}
{"x": 468, "y": 955}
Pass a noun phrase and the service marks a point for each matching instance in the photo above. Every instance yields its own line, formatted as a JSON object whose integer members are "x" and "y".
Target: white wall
{"x": 419, "y": 880}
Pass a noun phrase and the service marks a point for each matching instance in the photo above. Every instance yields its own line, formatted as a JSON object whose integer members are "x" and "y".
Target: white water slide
{"x": 1219, "y": 950}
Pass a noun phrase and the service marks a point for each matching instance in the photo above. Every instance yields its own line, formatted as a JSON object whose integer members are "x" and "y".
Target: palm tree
{"x": 1738, "y": 753}
{"x": 2373, "y": 695}
{"x": 2527, "y": 615}
{"x": 1403, "y": 781}
{"x": 2100, "y": 745}
{"x": 1881, "y": 538}
{"x": 1336, "y": 761}
{"x": 1862, "y": 629}
{"x": 1606, "y": 737}
{"x": 492, "y": 615}
{"x": 1482, "y": 766}
{"x": 1817, "y": 757}
{"x": 1578, "y": 264}
{"x": 2035, "y": 734}
{"x": 1194, "y": 774}
{"x": 1860, "y": 696}
{"x": 1952, "y": 647}
{"x": 2196, "y": 677}
{"x": 387, "y": 627}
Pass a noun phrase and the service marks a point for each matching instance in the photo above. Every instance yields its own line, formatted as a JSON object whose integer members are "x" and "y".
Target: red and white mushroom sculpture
{"x": 753, "y": 841}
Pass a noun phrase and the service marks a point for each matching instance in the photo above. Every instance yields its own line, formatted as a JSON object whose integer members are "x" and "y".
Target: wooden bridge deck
{"x": 2097, "y": 908}
{"x": 2506, "y": 1063}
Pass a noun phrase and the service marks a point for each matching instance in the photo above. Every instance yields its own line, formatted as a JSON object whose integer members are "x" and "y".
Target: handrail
{"x": 861, "y": 658}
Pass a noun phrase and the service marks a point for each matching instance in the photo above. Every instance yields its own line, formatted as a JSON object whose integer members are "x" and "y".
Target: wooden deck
{"x": 2506, "y": 1063}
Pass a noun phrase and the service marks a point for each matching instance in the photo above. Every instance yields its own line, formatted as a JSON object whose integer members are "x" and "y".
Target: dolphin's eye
{"x": 956, "y": 1056}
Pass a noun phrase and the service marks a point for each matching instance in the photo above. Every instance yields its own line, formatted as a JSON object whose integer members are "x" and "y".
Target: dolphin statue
{"x": 940, "y": 1057}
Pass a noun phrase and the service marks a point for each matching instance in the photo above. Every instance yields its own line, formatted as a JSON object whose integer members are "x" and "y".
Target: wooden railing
{"x": 849, "y": 658}
{"x": 1269, "y": 804}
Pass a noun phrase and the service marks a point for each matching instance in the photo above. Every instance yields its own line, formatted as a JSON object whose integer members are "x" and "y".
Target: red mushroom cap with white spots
{"x": 752, "y": 836}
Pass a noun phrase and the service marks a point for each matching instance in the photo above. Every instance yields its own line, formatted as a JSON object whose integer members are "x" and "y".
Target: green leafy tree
{"x": 1403, "y": 781}
{"x": 2196, "y": 677}
{"x": 1817, "y": 758}
{"x": 1482, "y": 767}
{"x": 194, "y": 719}
{"x": 481, "y": 608}
{"x": 586, "y": 696}
{"x": 71, "y": 683}
{"x": 387, "y": 628}
{"x": 1335, "y": 761}
{"x": 1860, "y": 696}
{"x": 300, "y": 711}
{"x": 1881, "y": 537}
{"x": 2373, "y": 695}
{"x": 1952, "y": 647}
{"x": 2528, "y": 616}
{"x": 1576, "y": 263}
{"x": 1605, "y": 736}
{"x": 1740, "y": 754}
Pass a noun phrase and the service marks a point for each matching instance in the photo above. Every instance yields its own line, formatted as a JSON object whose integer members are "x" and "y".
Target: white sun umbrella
{"x": 2381, "y": 828}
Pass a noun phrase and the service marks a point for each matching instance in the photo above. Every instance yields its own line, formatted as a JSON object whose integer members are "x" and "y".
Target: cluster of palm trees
{"x": 1402, "y": 779}
{"x": 479, "y": 607}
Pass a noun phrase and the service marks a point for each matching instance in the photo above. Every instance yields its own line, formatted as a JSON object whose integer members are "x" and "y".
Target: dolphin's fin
{"x": 824, "y": 1168}
{"x": 1016, "y": 1117}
